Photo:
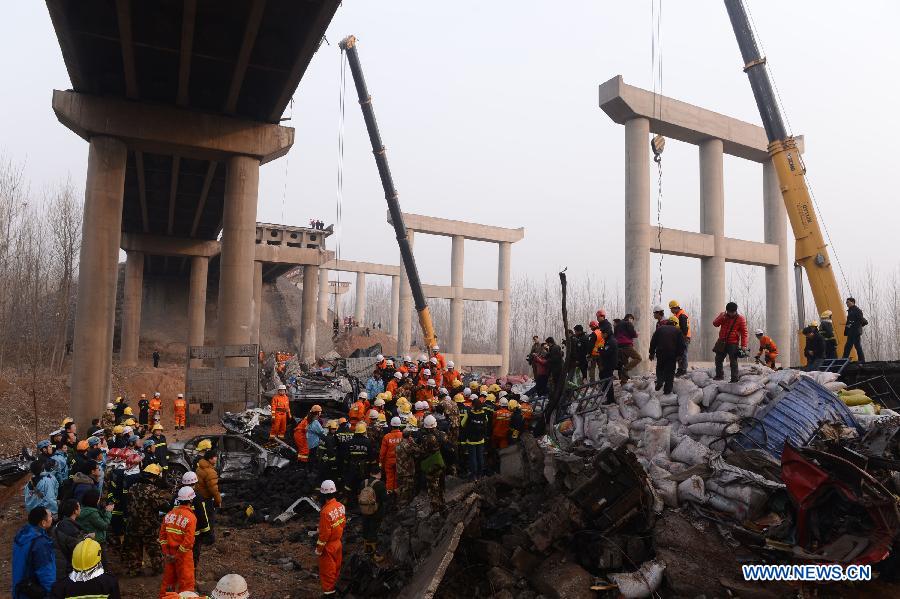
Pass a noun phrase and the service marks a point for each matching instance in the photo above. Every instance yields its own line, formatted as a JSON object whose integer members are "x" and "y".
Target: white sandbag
{"x": 678, "y": 467}
{"x": 612, "y": 412}
{"x": 629, "y": 387}
{"x": 754, "y": 398}
{"x": 669, "y": 410}
{"x": 687, "y": 409}
{"x": 823, "y": 378}
{"x": 692, "y": 489}
{"x": 668, "y": 400}
{"x": 836, "y": 386}
{"x": 657, "y": 440}
{"x": 720, "y": 417}
{"x": 865, "y": 420}
{"x": 699, "y": 377}
{"x": 643, "y": 583}
{"x": 786, "y": 376}
{"x": 709, "y": 394}
{"x": 656, "y": 473}
{"x": 640, "y": 398}
{"x": 707, "y": 440}
{"x": 868, "y": 408}
{"x": 652, "y": 409}
{"x": 668, "y": 491}
{"x": 578, "y": 428}
{"x": 690, "y": 452}
{"x": 616, "y": 433}
{"x": 641, "y": 384}
{"x": 712, "y": 429}
{"x": 629, "y": 411}
{"x": 743, "y": 387}
{"x": 641, "y": 423}
{"x": 736, "y": 509}
{"x": 683, "y": 386}
{"x": 752, "y": 496}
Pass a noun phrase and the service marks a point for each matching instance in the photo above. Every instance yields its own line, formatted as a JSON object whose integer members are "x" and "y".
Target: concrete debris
{"x": 641, "y": 583}
{"x": 559, "y": 578}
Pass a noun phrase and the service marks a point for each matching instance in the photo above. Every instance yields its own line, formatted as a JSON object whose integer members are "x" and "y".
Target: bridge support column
{"x": 637, "y": 231}
{"x": 359, "y": 309}
{"x": 131, "y": 308}
{"x": 197, "y": 304}
{"x": 457, "y": 303}
{"x": 238, "y": 253}
{"x": 395, "y": 305}
{"x": 778, "y": 313}
{"x": 308, "y": 313}
{"x": 323, "y": 295}
{"x": 712, "y": 222}
{"x": 257, "y": 302}
{"x": 503, "y": 283}
{"x": 404, "y": 333}
{"x": 97, "y": 272}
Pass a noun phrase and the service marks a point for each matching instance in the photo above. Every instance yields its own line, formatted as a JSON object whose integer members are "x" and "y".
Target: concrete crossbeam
{"x": 689, "y": 244}
{"x": 157, "y": 245}
{"x": 466, "y": 293}
{"x": 368, "y": 268}
{"x": 487, "y": 360}
{"x": 431, "y": 225}
{"x": 282, "y": 254}
{"x": 166, "y": 129}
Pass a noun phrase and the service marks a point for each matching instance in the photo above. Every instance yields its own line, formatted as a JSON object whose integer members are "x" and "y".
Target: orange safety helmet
{"x": 82, "y": 445}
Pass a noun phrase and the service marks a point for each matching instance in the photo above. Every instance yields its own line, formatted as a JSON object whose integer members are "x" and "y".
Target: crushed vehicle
{"x": 240, "y": 458}
{"x": 14, "y": 467}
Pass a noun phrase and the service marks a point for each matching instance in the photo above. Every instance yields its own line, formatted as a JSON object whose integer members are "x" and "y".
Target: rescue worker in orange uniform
{"x": 281, "y": 411}
{"x": 155, "y": 407}
{"x": 332, "y": 518}
{"x": 427, "y": 392}
{"x": 441, "y": 360}
{"x": 180, "y": 411}
{"x": 451, "y": 375}
{"x": 176, "y": 535}
{"x": 500, "y": 431}
{"x": 527, "y": 410}
{"x": 359, "y": 409}
{"x": 394, "y": 383}
{"x": 387, "y": 457}
{"x": 768, "y": 351}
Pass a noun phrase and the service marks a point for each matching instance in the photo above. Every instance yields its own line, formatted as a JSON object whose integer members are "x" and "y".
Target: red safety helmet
{"x": 594, "y": 324}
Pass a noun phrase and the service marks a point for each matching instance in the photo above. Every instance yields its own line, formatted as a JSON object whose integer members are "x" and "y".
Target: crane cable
{"x": 657, "y": 144}
{"x": 338, "y": 221}
{"x": 812, "y": 194}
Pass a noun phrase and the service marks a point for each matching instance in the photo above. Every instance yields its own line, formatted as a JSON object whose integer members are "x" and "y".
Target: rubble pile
{"x": 266, "y": 497}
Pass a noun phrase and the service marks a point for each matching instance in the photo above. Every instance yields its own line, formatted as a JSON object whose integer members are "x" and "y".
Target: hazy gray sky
{"x": 489, "y": 112}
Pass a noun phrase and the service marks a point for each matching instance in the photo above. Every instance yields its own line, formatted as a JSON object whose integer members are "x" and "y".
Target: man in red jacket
{"x": 732, "y": 340}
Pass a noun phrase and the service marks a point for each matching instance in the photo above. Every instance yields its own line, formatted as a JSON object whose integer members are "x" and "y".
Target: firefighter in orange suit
{"x": 359, "y": 409}
{"x": 500, "y": 431}
{"x": 180, "y": 411}
{"x": 155, "y": 407}
{"x": 387, "y": 457}
{"x": 332, "y": 518}
{"x": 281, "y": 411}
{"x": 176, "y": 535}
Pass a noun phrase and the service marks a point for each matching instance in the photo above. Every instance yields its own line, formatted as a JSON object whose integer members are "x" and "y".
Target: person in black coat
{"x": 666, "y": 345}
{"x": 554, "y": 361}
{"x": 609, "y": 362}
{"x": 582, "y": 349}
{"x": 815, "y": 347}
{"x": 853, "y": 330}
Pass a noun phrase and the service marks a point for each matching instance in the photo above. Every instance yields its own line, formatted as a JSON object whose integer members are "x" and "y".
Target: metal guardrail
{"x": 588, "y": 397}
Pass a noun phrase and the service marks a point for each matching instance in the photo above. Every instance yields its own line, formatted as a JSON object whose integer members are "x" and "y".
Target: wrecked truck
{"x": 239, "y": 457}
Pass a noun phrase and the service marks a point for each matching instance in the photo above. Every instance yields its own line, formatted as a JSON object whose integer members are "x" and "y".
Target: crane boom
{"x": 348, "y": 45}
{"x": 811, "y": 250}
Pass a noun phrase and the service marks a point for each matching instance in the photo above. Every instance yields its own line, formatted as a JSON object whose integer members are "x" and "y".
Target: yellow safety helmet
{"x": 128, "y": 411}
{"x": 380, "y": 396}
{"x": 826, "y": 314}
{"x": 483, "y": 389}
{"x": 118, "y": 429}
{"x": 459, "y": 398}
{"x": 457, "y": 383}
{"x": 204, "y": 445}
{"x": 495, "y": 388}
{"x": 130, "y": 422}
{"x": 157, "y": 427}
{"x": 473, "y": 385}
{"x": 388, "y": 396}
{"x": 332, "y": 425}
{"x": 66, "y": 421}
{"x": 86, "y": 555}
{"x": 513, "y": 404}
{"x": 360, "y": 427}
{"x": 490, "y": 397}
{"x": 153, "y": 469}
{"x": 814, "y": 323}
{"x": 674, "y": 304}
{"x": 411, "y": 421}
{"x": 382, "y": 417}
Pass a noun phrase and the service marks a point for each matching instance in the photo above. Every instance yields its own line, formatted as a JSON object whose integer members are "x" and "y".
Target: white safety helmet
{"x": 398, "y": 375}
{"x": 378, "y": 403}
{"x": 431, "y": 383}
{"x": 110, "y": 406}
{"x": 433, "y": 360}
{"x": 423, "y": 358}
{"x": 186, "y": 493}
{"x": 421, "y": 405}
{"x": 156, "y": 394}
{"x": 282, "y": 387}
{"x": 379, "y": 357}
{"x": 443, "y": 391}
{"x": 760, "y": 332}
{"x": 407, "y": 358}
{"x": 467, "y": 392}
{"x": 181, "y": 396}
{"x": 504, "y": 402}
{"x": 328, "y": 487}
{"x": 450, "y": 364}
{"x": 373, "y": 413}
{"x": 389, "y": 363}
{"x": 231, "y": 586}
{"x": 658, "y": 308}
{"x": 189, "y": 478}
{"x": 426, "y": 372}
{"x": 436, "y": 347}
{"x": 502, "y": 394}
{"x": 363, "y": 395}
{"x": 395, "y": 421}
{"x": 127, "y": 430}
{"x": 430, "y": 421}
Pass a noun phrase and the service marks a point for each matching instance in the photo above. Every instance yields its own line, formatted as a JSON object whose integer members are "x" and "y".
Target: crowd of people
{"x": 415, "y": 422}
{"x": 109, "y": 491}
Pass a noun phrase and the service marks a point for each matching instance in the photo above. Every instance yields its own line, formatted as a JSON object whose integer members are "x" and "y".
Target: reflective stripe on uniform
{"x": 176, "y": 531}
{"x": 337, "y": 522}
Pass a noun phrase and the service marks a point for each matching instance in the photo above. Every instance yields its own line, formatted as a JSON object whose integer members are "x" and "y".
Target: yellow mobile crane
{"x": 348, "y": 45}
{"x": 810, "y": 251}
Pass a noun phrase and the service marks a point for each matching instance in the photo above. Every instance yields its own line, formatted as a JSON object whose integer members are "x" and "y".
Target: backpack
{"x": 368, "y": 503}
